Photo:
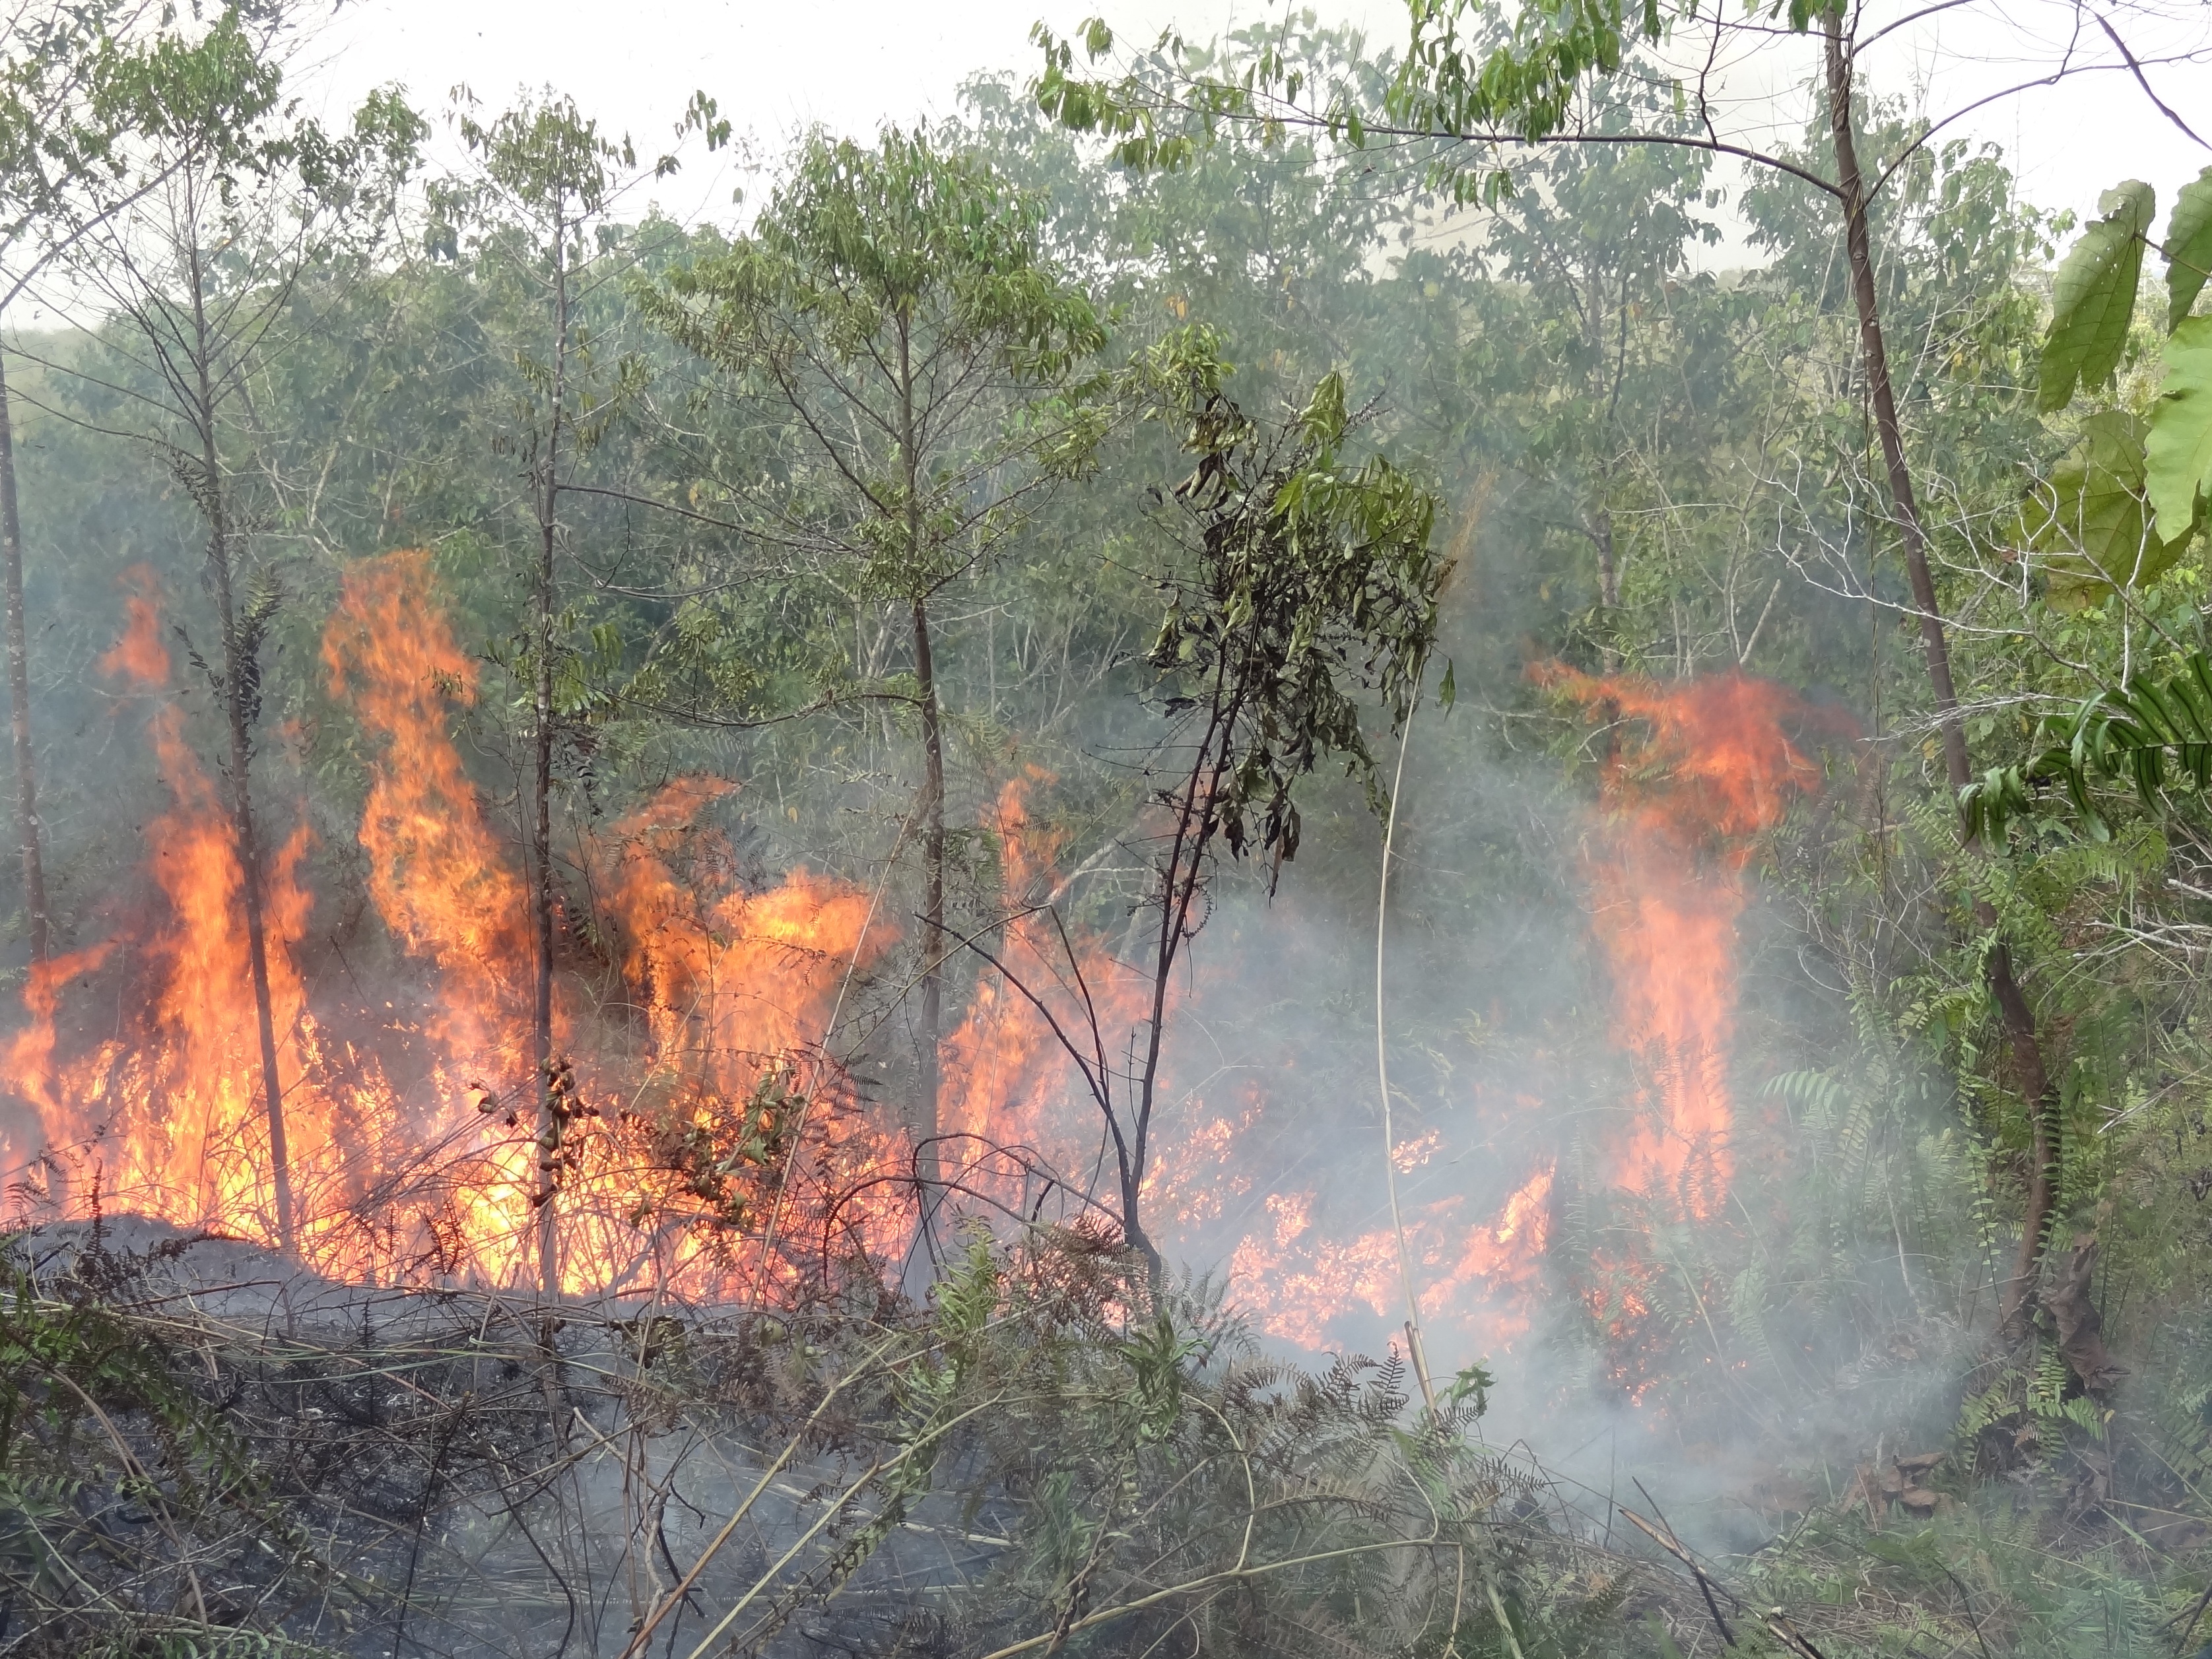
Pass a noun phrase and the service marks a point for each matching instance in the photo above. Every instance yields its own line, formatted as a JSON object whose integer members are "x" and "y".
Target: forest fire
{"x": 1706, "y": 769}
{"x": 713, "y": 1142}
{"x": 411, "y": 1134}
{"x": 945, "y": 973}
{"x": 1697, "y": 772}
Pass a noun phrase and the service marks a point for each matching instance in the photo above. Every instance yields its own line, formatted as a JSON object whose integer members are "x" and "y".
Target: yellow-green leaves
{"x": 2089, "y": 521}
{"x": 2178, "y": 452}
{"x": 2095, "y": 297}
{"x": 1325, "y": 417}
{"x": 2188, "y": 247}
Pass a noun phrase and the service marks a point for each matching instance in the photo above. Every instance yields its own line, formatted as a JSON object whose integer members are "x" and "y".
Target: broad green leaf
{"x": 2088, "y": 521}
{"x": 2188, "y": 247}
{"x": 2094, "y": 295}
{"x": 2179, "y": 448}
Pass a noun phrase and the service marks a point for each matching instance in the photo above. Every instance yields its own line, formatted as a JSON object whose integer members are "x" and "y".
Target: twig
{"x": 2112, "y": 36}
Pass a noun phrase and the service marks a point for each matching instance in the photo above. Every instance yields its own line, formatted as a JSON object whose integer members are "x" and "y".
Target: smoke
{"x": 1598, "y": 1173}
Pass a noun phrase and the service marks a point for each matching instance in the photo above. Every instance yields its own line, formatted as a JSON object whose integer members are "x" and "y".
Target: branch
{"x": 2142, "y": 81}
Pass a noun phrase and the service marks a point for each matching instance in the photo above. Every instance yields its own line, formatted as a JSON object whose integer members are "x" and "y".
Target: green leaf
{"x": 1324, "y": 417}
{"x": 2095, "y": 296}
{"x": 2179, "y": 448}
{"x": 2188, "y": 247}
{"x": 2089, "y": 522}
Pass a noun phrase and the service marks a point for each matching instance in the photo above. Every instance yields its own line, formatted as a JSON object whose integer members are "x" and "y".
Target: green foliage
{"x": 895, "y": 303}
{"x": 2188, "y": 247}
{"x": 2151, "y": 736}
{"x": 1310, "y": 580}
{"x": 1633, "y": 464}
{"x": 2092, "y": 305}
{"x": 2177, "y": 476}
{"x": 1524, "y": 83}
{"x": 2093, "y": 299}
{"x": 2089, "y": 520}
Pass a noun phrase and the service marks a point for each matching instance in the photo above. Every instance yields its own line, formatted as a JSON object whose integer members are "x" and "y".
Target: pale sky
{"x": 778, "y": 67}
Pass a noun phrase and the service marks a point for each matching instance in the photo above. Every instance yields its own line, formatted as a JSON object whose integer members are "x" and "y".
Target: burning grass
{"x": 696, "y": 1130}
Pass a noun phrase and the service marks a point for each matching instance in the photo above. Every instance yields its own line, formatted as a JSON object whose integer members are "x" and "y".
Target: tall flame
{"x": 439, "y": 877}
{"x": 176, "y": 1120}
{"x": 734, "y": 988}
{"x": 1008, "y": 1080}
{"x": 1686, "y": 798}
{"x": 729, "y": 982}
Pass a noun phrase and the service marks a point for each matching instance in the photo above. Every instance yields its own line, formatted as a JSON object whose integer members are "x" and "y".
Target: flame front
{"x": 427, "y": 1168}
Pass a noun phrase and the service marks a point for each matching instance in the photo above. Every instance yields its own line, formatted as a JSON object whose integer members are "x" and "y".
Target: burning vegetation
{"x": 1088, "y": 895}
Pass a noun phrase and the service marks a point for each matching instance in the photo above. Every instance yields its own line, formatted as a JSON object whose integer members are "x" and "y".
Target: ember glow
{"x": 716, "y": 1147}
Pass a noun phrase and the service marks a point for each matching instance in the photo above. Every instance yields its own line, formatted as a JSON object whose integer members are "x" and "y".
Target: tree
{"x": 894, "y": 304}
{"x": 548, "y": 180}
{"x": 1297, "y": 579}
{"x": 73, "y": 86}
{"x": 228, "y": 200}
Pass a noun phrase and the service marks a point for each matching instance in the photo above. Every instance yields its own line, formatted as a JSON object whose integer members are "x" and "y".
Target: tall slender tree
{"x": 896, "y": 304}
{"x": 73, "y": 86}
{"x": 547, "y": 179}
{"x": 227, "y": 203}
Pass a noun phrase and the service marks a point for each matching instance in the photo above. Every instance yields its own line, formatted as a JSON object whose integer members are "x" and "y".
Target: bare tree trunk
{"x": 1608, "y": 575}
{"x": 551, "y": 1125}
{"x": 924, "y": 1124}
{"x": 1196, "y": 819}
{"x": 933, "y": 899}
{"x": 19, "y": 687}
{"x": 240, "y": 670}
{"x": 2022, "y": 1043}
{"x": 1608, "y": 594}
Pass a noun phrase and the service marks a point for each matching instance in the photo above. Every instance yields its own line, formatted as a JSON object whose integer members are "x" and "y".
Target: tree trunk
{"x": 2036, "y": 1086}
{"x": 1608, "y": 595}
{"x": 924, "y": 1120}
{"x": 1608, "y": 575}
{"x": 1197, "y": 816}
{"x": 550, "y": 1126}
{"x": 19, "y": 688}
{"x": 240, "y": 670}
{"x": 541, "y": 932}
{"x": 933, "y": 900}
{"x": 249, "y": 864}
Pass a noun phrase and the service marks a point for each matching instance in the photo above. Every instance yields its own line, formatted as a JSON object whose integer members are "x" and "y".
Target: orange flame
{"x": 175, "y": 1121}
{"x": 711, "y": 1129}
{"x": 437, "y": 875}
{"x": 1008, "y": 1080}
{"x": 728, "y": 983}
{"x": 1712, "y": 770}
{"x": 733, "y": 986}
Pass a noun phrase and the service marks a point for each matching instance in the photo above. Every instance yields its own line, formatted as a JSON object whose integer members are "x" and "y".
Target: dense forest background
{"x": 701, "y": 872}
